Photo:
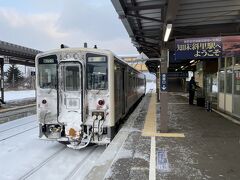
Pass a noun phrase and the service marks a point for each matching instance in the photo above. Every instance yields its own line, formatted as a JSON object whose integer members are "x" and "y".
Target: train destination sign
{"x": 48, "y": 60}
{"x": 198, "y": 48}
{"x": 97, "y": 59}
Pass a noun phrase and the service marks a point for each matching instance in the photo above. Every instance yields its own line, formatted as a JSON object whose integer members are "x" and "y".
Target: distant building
{"x": 135, "y": 61}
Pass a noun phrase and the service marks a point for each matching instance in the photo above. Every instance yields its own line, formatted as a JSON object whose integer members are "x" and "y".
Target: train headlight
{"x": 101, "y": 102}
{"x": 44, "y": 101}
{"x": 99, "y": 117}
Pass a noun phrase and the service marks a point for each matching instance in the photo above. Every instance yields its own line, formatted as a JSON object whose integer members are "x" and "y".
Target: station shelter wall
{"x": 229, "y": 85}
{"x": 176, "y": 85}
{"x": 206, "y": 78}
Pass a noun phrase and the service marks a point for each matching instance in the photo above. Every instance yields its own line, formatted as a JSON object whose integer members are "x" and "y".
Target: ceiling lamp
{"x": 167, "y": 32}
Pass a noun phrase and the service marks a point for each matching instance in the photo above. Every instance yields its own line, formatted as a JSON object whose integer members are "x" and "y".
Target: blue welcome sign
{"x": 198, "y": 48}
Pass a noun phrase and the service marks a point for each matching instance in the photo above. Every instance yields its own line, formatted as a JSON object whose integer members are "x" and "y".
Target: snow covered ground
{"x": 150, "y": 85}
{"x": 24, "y": 156}
{"x": 18, "y": 95}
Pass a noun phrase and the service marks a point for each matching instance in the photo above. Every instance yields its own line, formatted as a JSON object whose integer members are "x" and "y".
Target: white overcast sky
{"x": 45, "y": 24}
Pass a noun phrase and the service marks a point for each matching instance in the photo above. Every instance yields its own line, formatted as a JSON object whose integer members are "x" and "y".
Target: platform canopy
{"x": 146, "y": 21}
{"x": 18, "y": 54}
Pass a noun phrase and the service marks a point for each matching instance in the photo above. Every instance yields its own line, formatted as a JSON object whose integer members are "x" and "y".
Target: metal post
{"x": 164, "y": 92}
{"x": 158, "y": 84}
{"x": 2, "y": 80}
{"x": 13, "y": 78}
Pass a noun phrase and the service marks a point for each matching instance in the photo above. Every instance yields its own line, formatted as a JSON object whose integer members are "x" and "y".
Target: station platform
{"x": 16, "y": 109}
{"x": 199, "y": 145}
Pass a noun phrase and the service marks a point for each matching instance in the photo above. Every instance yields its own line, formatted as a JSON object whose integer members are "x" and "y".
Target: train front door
{"x": 70, "y": 100}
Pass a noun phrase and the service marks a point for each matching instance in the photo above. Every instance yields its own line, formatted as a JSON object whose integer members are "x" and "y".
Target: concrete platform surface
{"x": 199, "y": 145}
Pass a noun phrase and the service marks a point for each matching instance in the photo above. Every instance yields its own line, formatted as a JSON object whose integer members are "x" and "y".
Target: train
{"x": 83, "y": 94}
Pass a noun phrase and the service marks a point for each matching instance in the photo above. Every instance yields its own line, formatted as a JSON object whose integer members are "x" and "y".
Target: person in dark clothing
{"x": 192, "y": 87}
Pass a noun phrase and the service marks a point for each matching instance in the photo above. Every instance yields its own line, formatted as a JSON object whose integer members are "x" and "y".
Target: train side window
{"x": 97, "y": 72}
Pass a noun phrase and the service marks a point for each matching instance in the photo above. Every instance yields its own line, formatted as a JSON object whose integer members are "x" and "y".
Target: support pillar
{"x": 158, "y": 84}
{"x": 2, "y": 80}
{"x": 164, "y": 92}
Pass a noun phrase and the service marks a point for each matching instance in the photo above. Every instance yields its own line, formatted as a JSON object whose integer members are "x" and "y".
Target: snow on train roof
{"x": 75, "y": 49}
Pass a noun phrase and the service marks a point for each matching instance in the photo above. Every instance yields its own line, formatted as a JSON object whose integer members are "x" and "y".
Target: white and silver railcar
{"x": 83, "y": 93}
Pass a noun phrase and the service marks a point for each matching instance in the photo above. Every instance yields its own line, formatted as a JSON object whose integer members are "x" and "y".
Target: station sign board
{"x": 198, "y": 48}
{"x": 206, "y": 47}
{"x": 163, "y": 82}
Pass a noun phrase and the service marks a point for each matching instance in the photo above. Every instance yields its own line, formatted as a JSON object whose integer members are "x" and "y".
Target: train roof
{"x": 92, "y": 50}
{"x": 76, "y": 49}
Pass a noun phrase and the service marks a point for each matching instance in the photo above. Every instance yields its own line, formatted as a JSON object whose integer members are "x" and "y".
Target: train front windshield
{"x": 97, "y": 76}
{"x": 47, "y": 70}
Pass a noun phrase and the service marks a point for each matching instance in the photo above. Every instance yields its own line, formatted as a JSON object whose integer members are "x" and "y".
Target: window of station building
{"x": 208, "y": 84}
{"x": 229, "y": 61}
{"x": 229, "y": 74}
{"x": 237, "y": 82}
{"x": 221, "y": 81}
{"x": 237, "y": 61}
{"x": 222, "y": 63}
{"x": 214, "y": 83}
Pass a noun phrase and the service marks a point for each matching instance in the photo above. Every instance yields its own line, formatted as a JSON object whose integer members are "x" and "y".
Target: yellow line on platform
{"x": 178, "y": 135}
{"x": 150, "y": 122}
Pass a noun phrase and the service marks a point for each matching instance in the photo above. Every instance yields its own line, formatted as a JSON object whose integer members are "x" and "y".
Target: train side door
{"x": 70, "y": 100}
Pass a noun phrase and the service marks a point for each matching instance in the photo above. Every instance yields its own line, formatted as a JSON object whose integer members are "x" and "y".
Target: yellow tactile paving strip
{"x": 150, "y": 119}
{"x": 150, "y": 122}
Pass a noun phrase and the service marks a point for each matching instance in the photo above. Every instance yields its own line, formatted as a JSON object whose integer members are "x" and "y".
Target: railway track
{"x": 32, "y": 171}
{"x": 73, "y": 168}
{"x": 11, "y": 136}
{"x": 16, "y": 128}
{"x": 80, "y": 165}
{"x": 1, "y": 131}
{"x": 49, "y": 155}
